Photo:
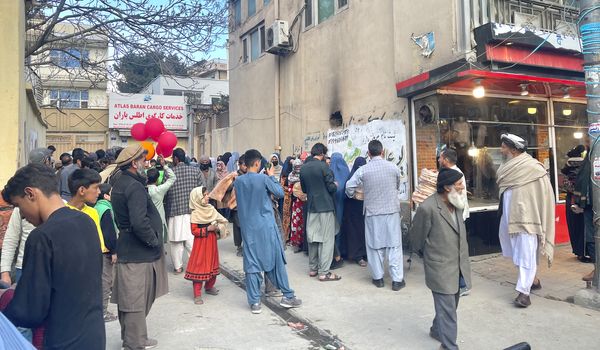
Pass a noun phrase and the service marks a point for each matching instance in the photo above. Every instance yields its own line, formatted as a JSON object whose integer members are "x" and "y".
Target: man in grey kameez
{"x": 263, "y": 246}
{"x": 380, "y": 180}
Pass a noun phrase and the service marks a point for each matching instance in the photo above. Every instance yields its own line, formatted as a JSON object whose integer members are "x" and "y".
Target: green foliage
{"x": 138, "y": 70}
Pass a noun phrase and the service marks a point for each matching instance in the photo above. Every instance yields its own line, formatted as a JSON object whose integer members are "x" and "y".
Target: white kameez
{"x": 521, "y": 248}
{"x": 180, "y": 238}
{"x": 383, "y": 237}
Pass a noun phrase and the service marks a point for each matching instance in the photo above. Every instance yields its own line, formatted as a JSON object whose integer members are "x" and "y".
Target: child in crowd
{"x": 61, "y": 282}
{"x": 109, "y": 232}
{"x": 207, "y": 226}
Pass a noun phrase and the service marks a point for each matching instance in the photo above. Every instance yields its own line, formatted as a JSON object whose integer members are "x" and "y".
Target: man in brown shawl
{"x": 527, "y": 213}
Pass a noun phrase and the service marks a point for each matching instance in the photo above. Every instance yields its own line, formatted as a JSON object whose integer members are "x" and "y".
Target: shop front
{"x": 550, "y": 113}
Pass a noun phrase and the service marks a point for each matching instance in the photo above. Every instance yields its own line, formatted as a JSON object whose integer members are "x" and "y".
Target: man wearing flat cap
{"x": 141, "y": 276}
{"x": 526, "y": 213}
{"x": 438, "y": 234}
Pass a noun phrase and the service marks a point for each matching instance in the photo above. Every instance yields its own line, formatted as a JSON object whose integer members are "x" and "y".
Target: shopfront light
{"x": 578, "y": 135}
{"x": 473, "y": 151}
{"x": 567, "y": 112}
{"x": 531, "y": 110}
{"x": 566, "y": 94}
{"x": 478, "y": 90}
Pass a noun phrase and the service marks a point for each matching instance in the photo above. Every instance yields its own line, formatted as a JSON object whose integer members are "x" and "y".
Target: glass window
{"x": 254, "y": 45}
{"x": 342, "y": 3}
{"x": 69, "y": 98}
{"x": 266, "y": 2}
{"x": 571, "y": 124}
{"x": 251, "y": 7}
{"x": 238, "y": 12}
{"x": 308, "y": 14}
{"x": 326, "y": 9}
{"x": 262, "y": 39}
{"x": 245, "y": 48}
{"x": 472, "y": 127}
{"x": 69, "y": 57}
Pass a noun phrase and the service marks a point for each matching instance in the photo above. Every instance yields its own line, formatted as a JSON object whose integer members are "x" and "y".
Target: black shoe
{"x": 378, "y": 283}
{"x": 396, "y": 286}
{"x": 336, "y": 264}
{"x": 522, "y": 300}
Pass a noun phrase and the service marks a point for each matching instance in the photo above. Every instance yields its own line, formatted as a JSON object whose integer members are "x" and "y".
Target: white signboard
{"x": 127, "y": 110}
{"x": 353, "y": 141}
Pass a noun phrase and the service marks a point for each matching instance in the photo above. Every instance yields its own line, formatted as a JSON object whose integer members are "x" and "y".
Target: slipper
{"x": 362, "y": 263}
{"x": 313, "y": 274}
{"x": 329, "y": 277}
{"x": 212, "y": 291}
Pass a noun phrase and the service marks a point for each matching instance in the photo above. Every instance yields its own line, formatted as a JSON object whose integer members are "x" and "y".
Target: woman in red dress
{"x": 203, "y": 266}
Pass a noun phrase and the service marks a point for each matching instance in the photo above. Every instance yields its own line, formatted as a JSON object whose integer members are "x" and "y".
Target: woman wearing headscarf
{"x": 286, "y": 215}
{"x": 233, "y": 162}
{"x": 225, "y": 157}
{"x": 207, "y": 226}
{"x": 340, "y": 176}
{"x": 221, "y": 170}
{"x": 353, "y": 222}
{"x": 298, "y": 199}
{"x": 276, "y": 164}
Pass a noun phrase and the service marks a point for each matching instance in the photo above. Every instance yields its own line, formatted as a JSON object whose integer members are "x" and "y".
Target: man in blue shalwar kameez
{"x": 263, "y": 248}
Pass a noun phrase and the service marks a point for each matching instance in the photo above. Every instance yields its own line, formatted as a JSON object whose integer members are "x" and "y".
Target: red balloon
{"x": 164, "y": 153}
{"x": 155, "y": 138}
{"x": 154, "y": 127}
{"x": 167, "y": 140}
{"x": 138, "y": 131}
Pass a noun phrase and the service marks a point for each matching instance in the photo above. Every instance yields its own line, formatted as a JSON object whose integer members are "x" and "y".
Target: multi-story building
{"x": 75, "y": 102}
{"x": 20, "y": 94}
{"x": 456, "y": 73}
{"x": 212, "y": 69}
{"x": 206, "y": 103}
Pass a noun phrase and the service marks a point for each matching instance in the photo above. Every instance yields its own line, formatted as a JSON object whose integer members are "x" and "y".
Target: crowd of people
{"x": 92, "y": 228}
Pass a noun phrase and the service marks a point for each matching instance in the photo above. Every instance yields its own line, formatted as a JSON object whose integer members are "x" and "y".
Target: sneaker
{"x": 464, "y": 292}
{"x": 289, "y": 303}
{"x": 109, "y": 317}
{"x": 256, "y": 308}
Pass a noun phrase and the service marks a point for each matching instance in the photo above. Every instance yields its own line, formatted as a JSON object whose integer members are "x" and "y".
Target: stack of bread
{"x": 426, "y": 186}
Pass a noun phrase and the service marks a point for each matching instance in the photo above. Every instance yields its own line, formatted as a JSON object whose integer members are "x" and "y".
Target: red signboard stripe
{"x": 523, "y": 77}
{"x": 520, "y": 55}
{"x": 412, "y": 81}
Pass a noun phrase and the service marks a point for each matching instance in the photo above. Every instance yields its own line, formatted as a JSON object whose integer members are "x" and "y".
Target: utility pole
{"x": 589, "y": 28}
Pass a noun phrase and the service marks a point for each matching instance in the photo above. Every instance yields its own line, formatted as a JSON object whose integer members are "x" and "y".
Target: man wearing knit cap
{"x": 527, "y": 213}
{"x": 438, "y": 234}
{"x": 141, "y": 275}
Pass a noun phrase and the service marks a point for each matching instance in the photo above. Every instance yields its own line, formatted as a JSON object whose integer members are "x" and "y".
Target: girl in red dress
{"x": 207, "y": 227}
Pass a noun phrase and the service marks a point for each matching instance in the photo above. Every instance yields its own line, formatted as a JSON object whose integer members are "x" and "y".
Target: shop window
{"x": 570, "y": 120}
{"x": 473, "y": 128}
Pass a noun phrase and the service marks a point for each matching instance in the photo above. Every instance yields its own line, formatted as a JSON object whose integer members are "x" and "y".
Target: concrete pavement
{"x": 361, "y": 316}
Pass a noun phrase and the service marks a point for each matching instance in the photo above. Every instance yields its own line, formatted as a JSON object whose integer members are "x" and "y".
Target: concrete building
{"x": 75, "y": 102}
{"x": 212, "y": 69}
{"x": 204, "y": 98}
{"x": 20, "y": 93}
{"x": 348, "y": 62}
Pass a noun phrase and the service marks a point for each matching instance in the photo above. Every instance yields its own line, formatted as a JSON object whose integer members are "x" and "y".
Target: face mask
{"x": 275, "y": 162}
{"x": 204, "y": 166}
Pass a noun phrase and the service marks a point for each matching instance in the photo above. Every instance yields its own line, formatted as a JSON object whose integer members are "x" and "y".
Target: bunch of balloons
{"x": 154, "y": 129}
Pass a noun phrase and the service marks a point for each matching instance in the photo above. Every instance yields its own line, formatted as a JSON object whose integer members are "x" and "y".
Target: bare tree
{"x": 60, "y": 31}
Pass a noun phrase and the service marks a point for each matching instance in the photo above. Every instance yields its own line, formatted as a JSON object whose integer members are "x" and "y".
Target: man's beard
{"x": 507, "y": 157}
{"x": 456, "y": 199}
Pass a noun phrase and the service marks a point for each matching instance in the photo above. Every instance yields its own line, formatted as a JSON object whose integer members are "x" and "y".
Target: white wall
{"x": 208, "y": 87}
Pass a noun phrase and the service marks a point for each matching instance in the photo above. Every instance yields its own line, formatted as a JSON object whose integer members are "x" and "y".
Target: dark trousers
{"x": 590, "y": 230}
{"x": 575, "y": 223}
{"x": 445, "y": 323}
{"x": 237, "y": 232}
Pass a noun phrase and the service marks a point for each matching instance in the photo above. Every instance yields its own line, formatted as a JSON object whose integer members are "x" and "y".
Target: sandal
{"x": 313, "y": 274}
{"x": 212, "y": 291}
{"x": 362, "y": 263}
{"x": 198, "y": 301}
{"x": 329, "y": 277}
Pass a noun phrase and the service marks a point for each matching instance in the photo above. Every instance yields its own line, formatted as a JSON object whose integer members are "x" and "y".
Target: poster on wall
{"x": 353, "y": 141}
{"x": 127, "y": 110}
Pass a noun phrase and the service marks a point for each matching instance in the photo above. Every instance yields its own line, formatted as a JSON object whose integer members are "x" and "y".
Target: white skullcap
{"x": 514, "y": 140}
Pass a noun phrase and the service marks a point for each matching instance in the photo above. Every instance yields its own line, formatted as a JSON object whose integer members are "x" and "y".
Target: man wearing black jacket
{"x": 141, "y": 273}
{"x": 317, "y": 182}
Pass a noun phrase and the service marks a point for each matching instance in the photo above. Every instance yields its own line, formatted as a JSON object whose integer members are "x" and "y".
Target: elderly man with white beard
{"x": 438, "y": 234}
{"x": 526, "y": 213}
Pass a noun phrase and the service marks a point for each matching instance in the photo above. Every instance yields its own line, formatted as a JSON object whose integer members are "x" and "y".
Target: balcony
{"x": 559, "y": 16}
